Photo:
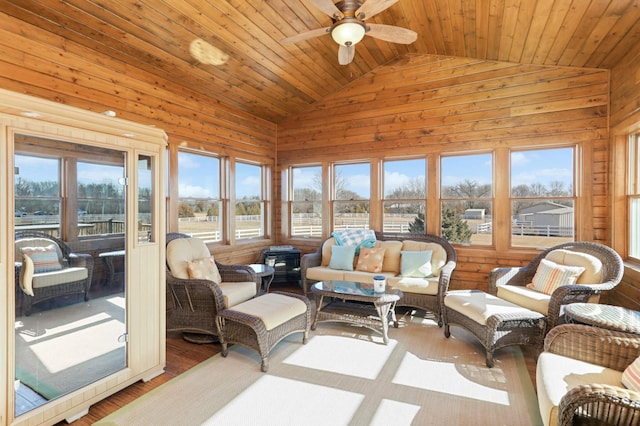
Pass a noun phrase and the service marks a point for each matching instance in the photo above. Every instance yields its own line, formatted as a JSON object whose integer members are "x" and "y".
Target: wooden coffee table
{"x": 375, "y": 314}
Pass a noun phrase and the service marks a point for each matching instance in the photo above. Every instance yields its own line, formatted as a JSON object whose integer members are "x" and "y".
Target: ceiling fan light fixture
{"x": 348, "y": 33}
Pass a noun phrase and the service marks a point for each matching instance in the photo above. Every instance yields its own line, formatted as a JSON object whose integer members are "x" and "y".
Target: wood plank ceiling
{"x": 273, "y": 81}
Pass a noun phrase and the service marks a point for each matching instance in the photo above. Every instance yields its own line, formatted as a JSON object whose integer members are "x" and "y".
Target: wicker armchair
{"x": 72, "y": 276}
{"x": 584, "y": 365}
{"x": 193, "y": 304}
{"x": 612, "y": 270}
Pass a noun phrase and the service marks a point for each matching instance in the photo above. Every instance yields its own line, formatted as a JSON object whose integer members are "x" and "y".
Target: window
{"x": 101, "y": 199}
{"x": 633, "y": 190}
{"x": 466, "y": 196}
{"x": 250, "y": 204}
{"x": 145, "y": 197}
{"x": 306, "y": 205}
{"x": 404, "y": 196}
{"x": 37, "y": 193}
{"x": 200, "y": 205}
{"x": 542, "y": 197}
{"x": 351, "y": 194}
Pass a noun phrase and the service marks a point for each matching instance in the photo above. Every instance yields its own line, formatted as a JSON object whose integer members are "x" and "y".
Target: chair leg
{"x": 447, "y": 332}
{"x": 265, "y": 365}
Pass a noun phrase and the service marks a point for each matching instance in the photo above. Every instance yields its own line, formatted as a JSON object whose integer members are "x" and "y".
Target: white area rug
{"x": 345, "y": 375}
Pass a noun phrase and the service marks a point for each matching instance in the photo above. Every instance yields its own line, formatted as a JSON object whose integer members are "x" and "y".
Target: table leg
{"x": 318, "y": 307}
{"x": 108, "y": 263}
{"x": 383, "y": 312}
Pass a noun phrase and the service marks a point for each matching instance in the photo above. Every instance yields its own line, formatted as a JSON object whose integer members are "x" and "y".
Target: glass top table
{"x": 611, "y": 317}
{"x": 374, "y": 315}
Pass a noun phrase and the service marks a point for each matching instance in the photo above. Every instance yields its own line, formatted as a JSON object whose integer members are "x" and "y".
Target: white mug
{"x": 379, "y": 283}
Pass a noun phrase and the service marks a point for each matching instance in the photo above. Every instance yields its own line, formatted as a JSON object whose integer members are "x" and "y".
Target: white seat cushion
{"x": 236, "y": 292}
{"x": 479, "y": 306}
{"x": 323, "y": 273}
{"x": 415, "y": 285}
{"x": 525, "y": 297}
{"x": 556, "y": 375}
{"x": 68, "y": 275}
{"x": 363, "y": 277}
{"x": 273, "y": 309}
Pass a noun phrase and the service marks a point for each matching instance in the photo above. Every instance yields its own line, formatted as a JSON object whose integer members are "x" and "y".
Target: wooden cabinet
{"x": 35, "y": 128}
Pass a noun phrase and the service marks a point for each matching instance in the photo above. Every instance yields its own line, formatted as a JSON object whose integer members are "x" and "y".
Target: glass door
{"x": 70, "y": 233}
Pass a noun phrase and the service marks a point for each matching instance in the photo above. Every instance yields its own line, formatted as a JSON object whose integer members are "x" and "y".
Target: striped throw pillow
{"x": 631, "y": 376}
{"x": 45, "y": 259}
{"x": 550, "y": 276}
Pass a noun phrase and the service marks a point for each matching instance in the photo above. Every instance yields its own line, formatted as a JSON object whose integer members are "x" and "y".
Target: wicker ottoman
{"x": 260, "y": 323}
{"x": 495, "y": 322}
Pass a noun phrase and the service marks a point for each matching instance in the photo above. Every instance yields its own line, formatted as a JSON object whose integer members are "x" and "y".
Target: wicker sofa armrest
{"x": 307, "y": 261}
{"x": 509, "y": 276}
{"x": 238, "y": 273}
{"x": 611, "y": 349}
{"x": 186, "y": 293}
{"x": 599, "y": 404}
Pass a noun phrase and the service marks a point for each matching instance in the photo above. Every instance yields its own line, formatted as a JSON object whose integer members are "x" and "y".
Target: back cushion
{"x": 391, "y": 262}
{"x": 182, "y": 251}
{"x": 35, "y": 242}
{"x": 438, "y": 258}
{"x": 592, "y": 265}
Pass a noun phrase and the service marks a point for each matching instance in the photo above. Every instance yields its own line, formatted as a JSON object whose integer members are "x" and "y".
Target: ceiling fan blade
{"x": 392, "y": 33}
{"x": 306, "y": 35}
{"x": 328, "y": 7}
{"x": 373, "y": 7}
{"x": 346, "y": 54}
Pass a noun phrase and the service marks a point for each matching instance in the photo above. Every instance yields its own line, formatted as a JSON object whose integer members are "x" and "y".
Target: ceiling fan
{"x": 349, "y": 27}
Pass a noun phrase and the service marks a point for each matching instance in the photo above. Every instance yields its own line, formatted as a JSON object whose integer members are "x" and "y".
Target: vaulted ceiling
{"x": 273, "y": 80}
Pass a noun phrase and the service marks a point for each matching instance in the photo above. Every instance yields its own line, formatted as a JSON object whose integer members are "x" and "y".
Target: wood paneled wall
{"x": 42, "y": 64}
{"x": 430, "y": 105}
{"x": 625, "y": 118}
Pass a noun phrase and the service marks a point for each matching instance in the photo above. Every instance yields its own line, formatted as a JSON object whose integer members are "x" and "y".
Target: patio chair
{"x": 46, "y": 268}
{"x": 198, "y": 288}
{"x": 580, "y": 377}
{"x": 603, "y": 271}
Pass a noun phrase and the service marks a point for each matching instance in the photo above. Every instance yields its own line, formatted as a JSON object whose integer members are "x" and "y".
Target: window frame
{"x": 292, "y": 202}
{"x": 424, "y": 199}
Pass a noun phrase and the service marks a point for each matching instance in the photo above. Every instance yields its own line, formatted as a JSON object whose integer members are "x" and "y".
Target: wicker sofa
{"x": 579, "y": 377}
{"x": 424, "y": 293}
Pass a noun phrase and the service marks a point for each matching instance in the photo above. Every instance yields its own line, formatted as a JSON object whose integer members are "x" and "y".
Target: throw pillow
{"x": 45, "y": 259}
{"x": 631, "y": 375}
{"x": 204, "y": 269}
{"x": 370, "y": 259}
{"x": 549, "y": 276}
{"x": 416, "y": 264}
{"x": 342, "y": 257}
{"x": 26, "y": 275}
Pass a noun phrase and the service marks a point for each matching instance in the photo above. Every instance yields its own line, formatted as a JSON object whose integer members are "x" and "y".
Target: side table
{"x": 108, "y": 258}
{"x": 265, "y": 273}
{"x": 610, "y": 317}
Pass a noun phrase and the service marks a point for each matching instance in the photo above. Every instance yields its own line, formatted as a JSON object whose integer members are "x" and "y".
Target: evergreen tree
{"x": 417, "y": 226}
{"x": 454, "y": 229}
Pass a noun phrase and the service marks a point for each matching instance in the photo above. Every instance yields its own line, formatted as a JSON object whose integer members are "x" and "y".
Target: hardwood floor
{"x": 181, "y": 356}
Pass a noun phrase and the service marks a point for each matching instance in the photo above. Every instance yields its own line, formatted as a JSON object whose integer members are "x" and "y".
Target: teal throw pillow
{"x": 342, "y": 257}
{"x": 416, "y": 264}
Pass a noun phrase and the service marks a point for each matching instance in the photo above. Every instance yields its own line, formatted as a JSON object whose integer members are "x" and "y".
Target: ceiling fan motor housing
{"x": 350, "y": 29}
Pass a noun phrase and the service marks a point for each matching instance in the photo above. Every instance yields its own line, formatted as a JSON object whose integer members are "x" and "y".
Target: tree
{"x": 185, "y": 210}
{"x": 454, "y": 229}
{"x": 417, "y": 226}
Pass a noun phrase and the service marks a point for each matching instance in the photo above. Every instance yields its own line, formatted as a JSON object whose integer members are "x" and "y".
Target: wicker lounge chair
{"x": 71, "y": 275}
{"x": 611, "y": 274}
{"x": 582, "y": 366}
{"x": 193, "y": 304}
